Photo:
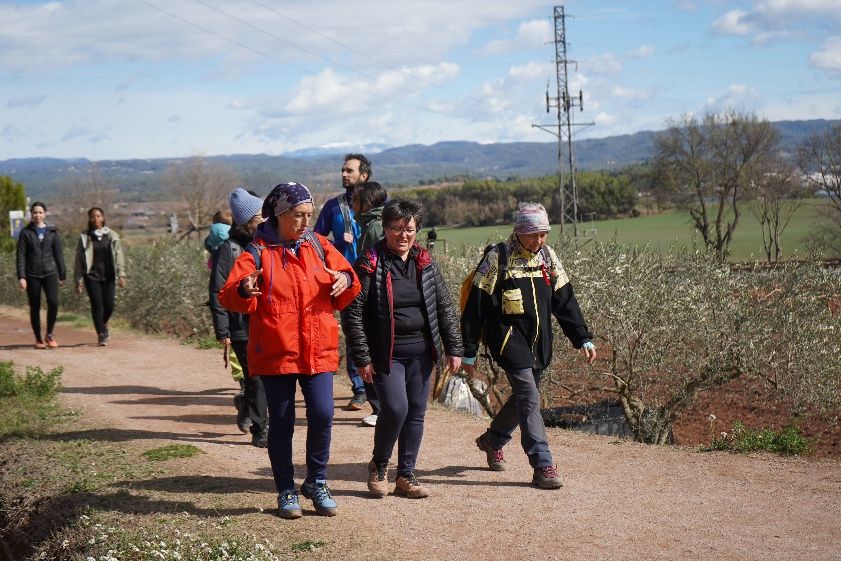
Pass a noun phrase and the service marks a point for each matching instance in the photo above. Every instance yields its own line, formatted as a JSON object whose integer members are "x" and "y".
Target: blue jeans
{"x": 356, "y": 381}
{"x": 403, "y": 393}
{"x": 522, "y": 408}
{"x": 318, "y": 397}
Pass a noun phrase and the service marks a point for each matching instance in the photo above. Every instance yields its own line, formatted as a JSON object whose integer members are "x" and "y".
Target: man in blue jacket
{"x": 336, "y": 218}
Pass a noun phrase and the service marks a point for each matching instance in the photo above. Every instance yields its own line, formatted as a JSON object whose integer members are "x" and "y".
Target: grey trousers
{"x": 522, "y": 409}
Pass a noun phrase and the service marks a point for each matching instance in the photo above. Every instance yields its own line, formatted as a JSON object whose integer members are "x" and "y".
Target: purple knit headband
{"x": 284, "y": 197}
{"x": 531, "y": 218}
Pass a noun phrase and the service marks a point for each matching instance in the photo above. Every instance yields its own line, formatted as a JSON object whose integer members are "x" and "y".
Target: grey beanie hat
{"x": 244, "y": 205}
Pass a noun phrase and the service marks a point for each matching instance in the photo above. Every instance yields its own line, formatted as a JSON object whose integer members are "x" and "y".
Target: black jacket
{"x": 513, "y": 315}
{"x": 226, "y": 324}
{"x": 40, "y": 258}
{"x": 368, "y": 323}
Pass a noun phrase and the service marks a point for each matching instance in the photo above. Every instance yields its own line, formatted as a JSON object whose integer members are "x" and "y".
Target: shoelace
{"x": 321, "y": 493}
{"x": 550, "y": 472}
{"x": 289, "y": 498}
{"x": 498, "y": 456}
{"x": 413, "y": 481}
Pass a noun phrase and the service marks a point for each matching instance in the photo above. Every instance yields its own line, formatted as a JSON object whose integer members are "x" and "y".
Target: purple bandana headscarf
{"x": 284, "y": 197}
{"x": 531, "y": 218}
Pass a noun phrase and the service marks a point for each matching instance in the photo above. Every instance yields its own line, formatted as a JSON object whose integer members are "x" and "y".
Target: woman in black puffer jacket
{"x": 40, "y": 266}
{"x": 401, "y": 323}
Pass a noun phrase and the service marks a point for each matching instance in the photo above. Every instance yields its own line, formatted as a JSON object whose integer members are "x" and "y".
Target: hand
{"x": 121, "y": 282}
{"x": 226, "y": 344}
{"x": 348, "y": 237}
{"x": 454, "y": 363}
{"x": 590, "y": 354}
{"x": 79, "y": 287}
{"x": 22, "y": 284}
{"x": 61, "y": 283}
{"x": 470, "y": 369}
{"x": 340, "y": 281}
{"x": 366, "y": 372}
{"x": 250, "y": 284}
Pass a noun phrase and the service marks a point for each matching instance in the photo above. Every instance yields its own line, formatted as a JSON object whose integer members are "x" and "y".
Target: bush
{"x": 35, "y": 384}
{"x": 789, "y": 441}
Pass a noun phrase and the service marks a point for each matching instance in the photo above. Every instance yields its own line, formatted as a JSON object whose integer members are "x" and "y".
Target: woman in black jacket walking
{"x": 40, "y": 266}
{"x": 401, "y": 322}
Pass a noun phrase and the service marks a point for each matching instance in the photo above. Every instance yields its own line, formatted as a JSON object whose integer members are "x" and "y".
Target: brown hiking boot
{"x": 377, "y": 479}
{"x": 408, "y": 486}
{"x": 495, "y": 457}
{"x": 547, "y": 478}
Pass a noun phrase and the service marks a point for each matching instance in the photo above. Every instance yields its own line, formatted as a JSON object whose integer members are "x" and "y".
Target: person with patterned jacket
{"x": 517, "y": 288}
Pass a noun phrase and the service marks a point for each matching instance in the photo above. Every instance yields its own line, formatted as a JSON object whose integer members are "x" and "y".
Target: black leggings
{"x": 101, "y": 294}
{"x": 33, "y": 293}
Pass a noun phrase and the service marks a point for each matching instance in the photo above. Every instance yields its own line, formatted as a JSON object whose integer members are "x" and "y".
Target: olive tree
{"x": 710, "y": 163}
{"x": 820, "y": 157}
{"x": 672, "y": 326}
{"x": 777, "y": 196}
{"x": 201, "y": 187}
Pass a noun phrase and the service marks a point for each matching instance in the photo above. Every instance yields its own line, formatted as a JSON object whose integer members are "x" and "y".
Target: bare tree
{"x": 201, "y": 187}
{"x": 87, "y": 187}
{"x": 710, "y": 165}
{"x": 778, "y": 195}
{"x": 820, "y": 158}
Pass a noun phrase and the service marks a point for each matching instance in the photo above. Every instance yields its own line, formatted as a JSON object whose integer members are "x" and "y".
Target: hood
{"x": 365, "y": 218}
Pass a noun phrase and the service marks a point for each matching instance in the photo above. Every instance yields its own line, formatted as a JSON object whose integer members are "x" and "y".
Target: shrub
{"x": 789, "y": 441}
{"x": 35, "y": 384}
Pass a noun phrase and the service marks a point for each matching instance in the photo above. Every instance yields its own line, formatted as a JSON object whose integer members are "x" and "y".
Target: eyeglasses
{"x": 398, "y": 231}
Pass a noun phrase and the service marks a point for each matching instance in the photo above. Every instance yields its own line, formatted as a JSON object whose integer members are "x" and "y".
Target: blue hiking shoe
{"x": 321, "y": 497}
{"x": 288, "y": 505}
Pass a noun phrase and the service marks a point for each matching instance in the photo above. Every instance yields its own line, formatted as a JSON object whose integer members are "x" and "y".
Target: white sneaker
{"x": 370, "y": 421}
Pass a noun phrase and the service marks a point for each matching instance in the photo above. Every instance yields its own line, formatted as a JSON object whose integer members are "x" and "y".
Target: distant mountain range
{"x": 143, "y": 179}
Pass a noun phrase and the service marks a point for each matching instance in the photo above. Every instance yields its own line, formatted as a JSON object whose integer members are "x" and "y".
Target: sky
{"x": 122, "y": 79}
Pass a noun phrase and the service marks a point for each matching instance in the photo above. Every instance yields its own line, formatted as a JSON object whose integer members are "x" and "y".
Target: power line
{"x": 282, "y": 61}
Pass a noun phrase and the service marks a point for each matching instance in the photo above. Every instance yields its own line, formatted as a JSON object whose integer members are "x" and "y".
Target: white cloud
{"x": 644, "y": 51}
{"x": 738, "y": 96}
{"x": 530, "y": 34}
{"x": 27, "y": 100}
{"x": 607, "y": 63}
{"x": 829, "y": 57}
{"x": 630, "y": 93}
{"x": 732, "y": 23}
{"x": 605, "y": 119}
{"x": 532, "y": 71}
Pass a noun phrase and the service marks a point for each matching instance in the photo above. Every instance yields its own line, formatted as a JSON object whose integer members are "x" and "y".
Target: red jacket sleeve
{"x": 337, "y": 262}
{"x": 229, "y": 295}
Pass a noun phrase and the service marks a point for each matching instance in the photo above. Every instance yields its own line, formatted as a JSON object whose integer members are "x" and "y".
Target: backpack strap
{"x": 343, "y": 206}
{"x": 316, "y": 244}
{"x": 255, "y": 251}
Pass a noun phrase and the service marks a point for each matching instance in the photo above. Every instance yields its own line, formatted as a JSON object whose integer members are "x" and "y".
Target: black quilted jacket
{"x": 40, "y": 258}
{"x": 368, "y": 323}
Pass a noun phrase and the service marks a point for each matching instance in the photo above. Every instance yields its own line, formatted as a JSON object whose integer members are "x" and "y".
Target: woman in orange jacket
{"x": 289, "y": 281}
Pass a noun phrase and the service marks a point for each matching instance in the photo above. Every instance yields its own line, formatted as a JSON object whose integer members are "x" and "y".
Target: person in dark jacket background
{"x": 40, "y": 266}
{"x": 98, "y": 268}
{"x": 402, "y": 322}
{"x": 368, "y": 202}
{"x": 231, "y": 328}
{"x": 513, "y": 315}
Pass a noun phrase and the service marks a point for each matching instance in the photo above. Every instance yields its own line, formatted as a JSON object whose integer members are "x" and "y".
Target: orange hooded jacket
{"x": 291, "y": 325}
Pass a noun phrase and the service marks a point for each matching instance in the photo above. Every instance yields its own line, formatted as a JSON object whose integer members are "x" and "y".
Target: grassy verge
{"x": 72, "y": 491}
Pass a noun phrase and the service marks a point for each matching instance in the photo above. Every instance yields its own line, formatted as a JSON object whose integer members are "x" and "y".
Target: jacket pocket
{"x": 512, "y": 302}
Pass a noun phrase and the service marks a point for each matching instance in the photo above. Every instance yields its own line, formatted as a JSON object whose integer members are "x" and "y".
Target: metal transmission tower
{"x": 563, "y": 129}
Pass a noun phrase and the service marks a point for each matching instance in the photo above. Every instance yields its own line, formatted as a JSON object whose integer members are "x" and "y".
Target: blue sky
{"x": 115, "y": 79}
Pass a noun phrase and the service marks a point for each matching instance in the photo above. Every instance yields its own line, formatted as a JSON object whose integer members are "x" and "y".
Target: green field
{"x": 661, "y": 230}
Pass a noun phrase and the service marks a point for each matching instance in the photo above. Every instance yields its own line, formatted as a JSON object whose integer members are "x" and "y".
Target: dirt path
{"x": 620, "y": 500}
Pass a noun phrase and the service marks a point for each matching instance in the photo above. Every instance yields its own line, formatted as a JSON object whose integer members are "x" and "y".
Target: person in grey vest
{"x": 337, "y": 218}
{"x": 231, "y": 328}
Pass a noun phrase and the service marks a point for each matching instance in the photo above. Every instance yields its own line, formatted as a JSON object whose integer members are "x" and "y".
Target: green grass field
{"x": 662, "y": 230}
